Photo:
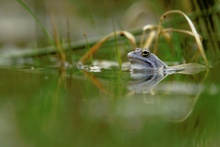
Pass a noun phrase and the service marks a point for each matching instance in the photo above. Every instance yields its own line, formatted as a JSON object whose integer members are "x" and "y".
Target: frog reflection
{"x": 142, "y": 82}
{"x": 175, "y": 107}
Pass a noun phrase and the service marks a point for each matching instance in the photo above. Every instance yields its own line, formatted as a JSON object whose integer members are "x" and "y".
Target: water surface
{"x": 49, "y": 107}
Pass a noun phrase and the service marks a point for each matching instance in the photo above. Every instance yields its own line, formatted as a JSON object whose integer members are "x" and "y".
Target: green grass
{"x": 36, "y": 20}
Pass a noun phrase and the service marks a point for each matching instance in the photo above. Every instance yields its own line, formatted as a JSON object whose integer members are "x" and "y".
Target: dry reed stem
{"x": 62, "y": 55}
{"x": 142, "y": 39}
{"x": 193, "y": 29}
{"x": 95, "y": 47}
{"x": 167, "y": 36}
{"x": 61, "y": 52}
{"x": 150, "y": 27}
{"x": 151, "y": 36}
{"x": 157, "y": 38}
{"x": 150, "y": 39}
{"x": 179, "y": 31}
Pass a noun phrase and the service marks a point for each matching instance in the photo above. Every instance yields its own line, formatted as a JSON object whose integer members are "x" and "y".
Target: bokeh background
{"x": 95, "y": 18}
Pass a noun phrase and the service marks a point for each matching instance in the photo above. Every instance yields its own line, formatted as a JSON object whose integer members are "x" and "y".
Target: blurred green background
{"x": 95, "y": 18}
{"x": 88, "y": 21}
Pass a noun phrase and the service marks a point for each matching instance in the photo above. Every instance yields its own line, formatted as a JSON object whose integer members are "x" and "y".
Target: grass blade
{"x": 95, "y": 47}
{"x": 193, "y": 29}
{"x": 36, "y": 19}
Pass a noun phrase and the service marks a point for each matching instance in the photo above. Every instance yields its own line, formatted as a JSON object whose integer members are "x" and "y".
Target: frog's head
{"x": 145, "y": 60}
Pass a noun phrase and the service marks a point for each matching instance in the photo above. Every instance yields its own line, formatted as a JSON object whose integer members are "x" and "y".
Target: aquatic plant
{"x": 155, "y": 31}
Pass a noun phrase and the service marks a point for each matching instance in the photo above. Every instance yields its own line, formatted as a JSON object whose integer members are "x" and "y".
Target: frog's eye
{"x": 145, "y": 53}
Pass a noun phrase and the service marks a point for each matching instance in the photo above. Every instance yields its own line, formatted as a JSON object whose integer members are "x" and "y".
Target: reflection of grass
{"x": 201, "y": 128}
{"x": 40, "y": 116}
{"x": 60, "y": 112}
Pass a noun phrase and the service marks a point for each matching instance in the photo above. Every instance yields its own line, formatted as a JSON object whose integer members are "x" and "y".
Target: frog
{"x": 145, "y": 61}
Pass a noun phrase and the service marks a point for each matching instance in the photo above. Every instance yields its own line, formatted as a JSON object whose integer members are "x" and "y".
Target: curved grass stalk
{"x": 179, "y": 31}
{"x": 150, "y": 27}
{"x": 193, "y": 29}
{"x": 149, "y": 40}
{"x": 95, "y": 47}
{"x": 151, "y": 36}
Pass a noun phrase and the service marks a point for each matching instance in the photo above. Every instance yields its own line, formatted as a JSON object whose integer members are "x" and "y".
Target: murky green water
{"x": 41, "y": 107}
